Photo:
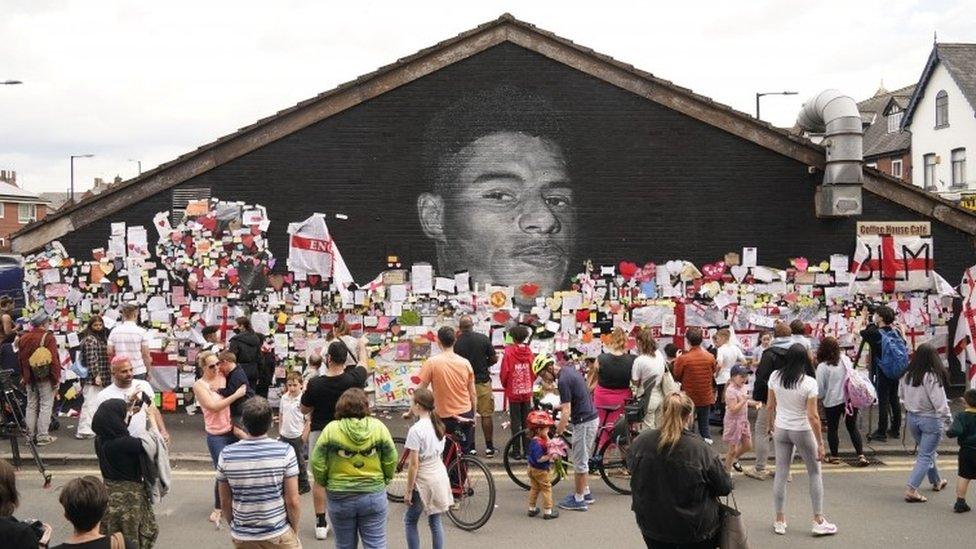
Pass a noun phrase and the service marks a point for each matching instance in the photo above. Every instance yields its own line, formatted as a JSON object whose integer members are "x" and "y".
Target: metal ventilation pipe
{"x": 836, "y": 116}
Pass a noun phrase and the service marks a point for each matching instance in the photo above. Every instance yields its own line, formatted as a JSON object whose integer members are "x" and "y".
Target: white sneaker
{"x": 779, "y": 528}
{"x": 708, "y": 440}
{"x": 824, "y": 528}
{"x": 322, "y": 532}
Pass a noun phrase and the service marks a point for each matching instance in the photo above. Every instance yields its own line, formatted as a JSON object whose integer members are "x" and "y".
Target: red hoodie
{"x": 516, "y": 375}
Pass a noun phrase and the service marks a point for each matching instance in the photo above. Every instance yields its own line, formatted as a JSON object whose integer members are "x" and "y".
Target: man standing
{"x": 124, "y": 386}
{"x": 211, "y": 339}
{"x": 236, "y": 378}
{"x": 40, "y": 370}
{"x": 130, "y": 340}
{"x": 476, "y": 347}
{"x": 576, "y": 408}
{"x": 772, "y": 359}
{"x": 451, "y": 379}
{"x": 695, "y": 370}
{"x": 887, "y": 388}
{"x": 319, "y": 400}
{"x": 258, "y": 483}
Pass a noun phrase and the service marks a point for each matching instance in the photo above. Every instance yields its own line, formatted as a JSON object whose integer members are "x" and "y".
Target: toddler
{"x": 540, "y": 465}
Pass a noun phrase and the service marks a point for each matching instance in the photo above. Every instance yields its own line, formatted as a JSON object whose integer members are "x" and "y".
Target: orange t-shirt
{"x": 449, "y": 375}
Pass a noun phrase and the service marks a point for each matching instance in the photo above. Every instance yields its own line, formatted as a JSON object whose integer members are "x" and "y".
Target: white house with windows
{"x": 941, "y": 117}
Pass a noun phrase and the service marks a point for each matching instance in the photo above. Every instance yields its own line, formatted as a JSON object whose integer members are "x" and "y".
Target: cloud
{"x": 151, "y": 81}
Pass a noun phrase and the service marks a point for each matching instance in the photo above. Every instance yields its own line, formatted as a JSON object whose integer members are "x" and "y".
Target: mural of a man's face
{"x": 508, "y": 215}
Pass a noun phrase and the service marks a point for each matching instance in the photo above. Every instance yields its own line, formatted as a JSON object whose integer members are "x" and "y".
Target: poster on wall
{"x": 395, "y": 382}
{"x": 893, "y": 257}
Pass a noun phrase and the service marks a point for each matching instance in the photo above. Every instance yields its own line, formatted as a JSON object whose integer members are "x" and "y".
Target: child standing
{"x": 736, "y": 432}
{"x": 293, "y": 425}
{"x": 517, "y": 378}
{"x": 428, "y": 486}
{"x": 964, "y": 428}
{"x": 540, "y": 465}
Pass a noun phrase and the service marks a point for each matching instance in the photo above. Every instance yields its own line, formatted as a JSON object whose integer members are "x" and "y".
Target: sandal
{"x": 832, "y": 460}
{"x": 862, "y": 461}
{"x": 940, "y": 486}
{"x": 915, "y": 498}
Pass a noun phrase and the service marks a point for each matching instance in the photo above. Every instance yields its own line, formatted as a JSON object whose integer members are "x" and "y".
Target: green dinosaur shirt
{"x": 355, "y": 456}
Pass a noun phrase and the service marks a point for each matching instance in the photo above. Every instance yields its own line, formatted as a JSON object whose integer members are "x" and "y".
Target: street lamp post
{"x": 758, "y": 95}
{"x": 139, "y": 163}
{"x": 71, "y": 190}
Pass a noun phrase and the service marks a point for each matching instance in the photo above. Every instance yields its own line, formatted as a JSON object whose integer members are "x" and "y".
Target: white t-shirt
{"x": 422, "y": 438}
{"x": 791, "y": 404}
{"x": 728, "y": 356}
{"x": 127, "y": 339}
{"x": 646, "y": 367}
{"x": 137, "y": 425}
{"x": 292, "y": 420}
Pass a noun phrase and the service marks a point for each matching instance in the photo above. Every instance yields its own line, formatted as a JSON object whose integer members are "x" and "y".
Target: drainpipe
{"x": 836, "y": 116}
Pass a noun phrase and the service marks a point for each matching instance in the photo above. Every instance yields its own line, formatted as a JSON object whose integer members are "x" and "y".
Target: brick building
{"x": 887, "y": 146}
{"x": 655, "y": 171}
{"x": 18, "y": 207}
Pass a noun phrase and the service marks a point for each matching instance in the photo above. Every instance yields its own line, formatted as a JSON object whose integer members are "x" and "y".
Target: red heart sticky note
{"x": 529, "y": 289}
{"x": 627, "y": 269}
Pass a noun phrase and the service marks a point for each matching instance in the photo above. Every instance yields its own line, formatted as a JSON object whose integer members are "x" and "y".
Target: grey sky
{"x": 153, "y": 80}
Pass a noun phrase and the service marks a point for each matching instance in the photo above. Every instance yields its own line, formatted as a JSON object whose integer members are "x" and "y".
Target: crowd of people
{"x": 326, "y": 428}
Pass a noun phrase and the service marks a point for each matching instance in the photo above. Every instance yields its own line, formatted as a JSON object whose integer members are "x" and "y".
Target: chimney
{"x": 9, "y": 176}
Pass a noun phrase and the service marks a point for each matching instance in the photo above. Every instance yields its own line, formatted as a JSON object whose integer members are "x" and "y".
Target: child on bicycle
{"x": 540, "y": 465}
{"x": 736, "y": 430}
{"x": 428, "y": 486}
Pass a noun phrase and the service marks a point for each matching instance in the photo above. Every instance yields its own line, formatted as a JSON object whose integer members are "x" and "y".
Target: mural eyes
{"x": 500, "y": 196}
{"x": 558, "y": 201}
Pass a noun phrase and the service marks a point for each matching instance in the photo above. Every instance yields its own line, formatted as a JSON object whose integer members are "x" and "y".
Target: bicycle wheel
{"x": 516, "y": 468}
{"x": 474, "y": 493}
{"x": 397, "y": 487}
{"x": 613, "y": 467}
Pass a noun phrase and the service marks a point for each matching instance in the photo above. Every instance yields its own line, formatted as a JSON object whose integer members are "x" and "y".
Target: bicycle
{"x": 609, "y": 459}
{"x": 472, "y": 484}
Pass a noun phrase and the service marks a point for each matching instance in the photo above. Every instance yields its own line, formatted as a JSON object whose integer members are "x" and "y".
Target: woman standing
{"x": 428, "y": 486}
{"x": 7, "y": 324}
{"x": 651, "y": 377}
{"x": 613, "y": 372}
{"x": 922, "y": 391}
{"x": 216, "y": 414}
{"x": 793, "y": 413}
{"x": 354, "y": 459}
{"x": 120, "y": 460}
{"x": 831, "y": 376}
{"x": 676, "y": 481}
{"x": 94, "y": 356}
{"x": 355, "y": 347}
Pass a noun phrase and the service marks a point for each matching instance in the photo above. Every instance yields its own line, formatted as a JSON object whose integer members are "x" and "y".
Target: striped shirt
{"x": 256, "y": 470}
{"x": 127, "y": 338}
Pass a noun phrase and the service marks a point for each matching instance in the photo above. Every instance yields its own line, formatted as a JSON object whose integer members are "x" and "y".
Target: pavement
{"x": 188, "y": 442}
{"x": 866, "y": 504}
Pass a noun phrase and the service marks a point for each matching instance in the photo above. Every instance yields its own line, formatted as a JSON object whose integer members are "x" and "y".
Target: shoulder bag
{"x": 733, "y": 528}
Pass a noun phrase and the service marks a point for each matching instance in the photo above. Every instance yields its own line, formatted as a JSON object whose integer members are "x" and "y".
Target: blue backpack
{"x": 894, "y": 354}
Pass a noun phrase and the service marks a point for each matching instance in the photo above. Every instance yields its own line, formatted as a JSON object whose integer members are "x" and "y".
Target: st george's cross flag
{"x": 885, "y": 264}
{"x": 964, "y": 342}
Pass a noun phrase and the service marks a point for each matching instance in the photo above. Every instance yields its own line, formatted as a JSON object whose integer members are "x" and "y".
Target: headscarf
{"x": 109, "y": 420}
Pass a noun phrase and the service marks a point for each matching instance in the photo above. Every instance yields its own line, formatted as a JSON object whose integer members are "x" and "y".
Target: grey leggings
{"x": 806, "y": 444}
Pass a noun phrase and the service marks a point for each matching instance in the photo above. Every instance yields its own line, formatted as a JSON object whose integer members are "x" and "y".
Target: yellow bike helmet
{"x": 541, "y": 362}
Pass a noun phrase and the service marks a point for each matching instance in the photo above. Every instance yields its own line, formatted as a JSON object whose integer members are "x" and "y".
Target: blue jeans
{"x": 927, "y": 432}
{"x": 410, "y": 521}
{"x": 355, "y": 516}
{"x": 216, "y": 443}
